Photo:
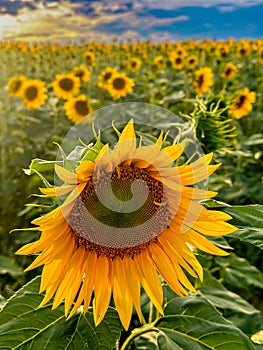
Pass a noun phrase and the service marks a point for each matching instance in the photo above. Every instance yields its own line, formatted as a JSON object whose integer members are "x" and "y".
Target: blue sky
{"x": 158, "y": 20}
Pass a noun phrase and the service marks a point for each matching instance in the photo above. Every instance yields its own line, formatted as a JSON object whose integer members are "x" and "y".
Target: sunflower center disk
{"x": 82, "y": 107}
{"x": 131, "y": 213}
{"x": 31, "y": 93}
{"x": 66, "y": 84}
{"x": 118, "y": 83}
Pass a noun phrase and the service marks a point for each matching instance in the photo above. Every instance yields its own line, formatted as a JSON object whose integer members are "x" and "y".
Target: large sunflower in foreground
{"x": 34, "y": 93}
{"x": 127, "y": 218}
{"x": 15, "y": 85}
{"x": 119, "y": 85}
{"x": 66, "y": 85}
{"x": 203, "y": 80}
{"x": 242, "y": 103}
{"x": 77, "y": 108}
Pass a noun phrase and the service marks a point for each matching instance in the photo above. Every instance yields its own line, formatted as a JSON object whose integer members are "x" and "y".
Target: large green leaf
{"x": 23, "y": 326}
{"x": 193, "y": 323}
{"x": 233, "y": 307}
{"x": 238, "y": 272}
{"x": 249, "y": 220}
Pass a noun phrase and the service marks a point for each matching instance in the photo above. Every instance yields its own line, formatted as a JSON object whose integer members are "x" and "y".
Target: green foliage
{"x": 25, "y": 326}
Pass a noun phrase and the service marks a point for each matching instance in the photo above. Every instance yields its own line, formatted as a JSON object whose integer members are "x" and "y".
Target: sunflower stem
{"x": 136, "y": 333}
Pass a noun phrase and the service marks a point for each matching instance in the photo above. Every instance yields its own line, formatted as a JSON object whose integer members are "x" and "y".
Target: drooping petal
{"x": 57, "y": 191}
{"x": 85, "y": 170}
{"x": 66, "y": 175}
{"x": 150, "y": 279}
{"x": 102, "y": 288}
{"x": 121, "y": 295}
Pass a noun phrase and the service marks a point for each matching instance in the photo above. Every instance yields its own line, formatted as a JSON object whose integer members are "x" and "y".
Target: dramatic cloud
{"x": 38, "y": 20}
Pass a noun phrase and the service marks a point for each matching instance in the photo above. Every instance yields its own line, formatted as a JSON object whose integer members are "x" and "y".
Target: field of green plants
{"x": 216, "y": 88}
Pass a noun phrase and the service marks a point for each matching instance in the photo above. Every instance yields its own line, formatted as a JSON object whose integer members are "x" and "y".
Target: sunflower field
{"x": 131, "y": 195}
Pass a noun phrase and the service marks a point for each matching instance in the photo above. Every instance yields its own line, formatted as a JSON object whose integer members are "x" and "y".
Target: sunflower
{"x": 82, "y": 73}
{"x": 191, "y": 61}
{"x": 229, "y": 71}
{"x": 34, "y": 93}
{"x": 222, "y": 50}
{"x": 242, "y": 103}
{"x": 159, "y": 62}
{"x": 177, "y": 61}
{"x": 66, "y": 85}
{"x": 243, "y": 48}
{"x": 100, "y": 243}
{"x": 77, "y": 108}
{"x": 105, "y": 76}
{"x": 260, "y": 55}
{"x": 203, "y": 80}
{"x": 120, "y": 85}
{"x": 15, "y": 85}
{"x": 89, "y": 58}
{"x": 179, "y": 51}
{"x": 134, "y": 64}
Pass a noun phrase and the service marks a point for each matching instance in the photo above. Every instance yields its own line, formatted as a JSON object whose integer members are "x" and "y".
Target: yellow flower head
{"x": 203, "y": 80}
{"x": 177, "y": 61}
{"x": 222, "y": 50}
{"x": 134, "y": 64}
{"x": 191, "y": 61}
{"x": 34, "y": 93}
{"x": 159, "y": 62}
{"x": 105, "y": 76}
{"x": 15, "y": 86}
{"x": 66, "y": 85}
{"x": 89, "y": 58}
{"x": 77, "y": 108}
{"x": 82, "y": 73}
{"x": 128, "y": 217}
{"x": 260, "y": 55}
{"x": 229, "y": 71}
{"x": 242, "y": 103}
{"x": 119, "y": 85}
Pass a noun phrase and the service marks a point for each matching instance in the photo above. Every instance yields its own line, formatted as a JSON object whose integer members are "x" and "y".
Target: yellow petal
{"x": 134, "y": 284}
{"x": 203, "y": 243}
{"x": 128, "y": 132}
{"x": 89, "y": 278}
{"x": 66, "y": 175}
{"x": 150, "y": 279}
{"x": 166, "y": 249}
{"x": 85, "y": 170}
{"x": 102, "y": 288}
{"x": 165, "y": 267}
{"x": 121, "y": 294}
{"x": 174, "y": 151}
{"x": 159, "y": 141}
{"x": 57, "y": 191}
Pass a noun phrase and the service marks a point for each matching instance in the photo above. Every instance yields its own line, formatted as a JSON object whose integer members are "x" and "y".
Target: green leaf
{"x": 249, "y": 220}
{"x": 233, "y": 307}
{"x": 247, "y": 215}
{"x": 193, "y": 323}
{"x": 190, "y": 331}
{"x": 92, "y": 152}
{"x": 23, "y": 326}
{"x": 8, "y": 266}
{"x": 147, "y": 341}
{"x": 40, "y": 165}
{"x": 238, "y": 272}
